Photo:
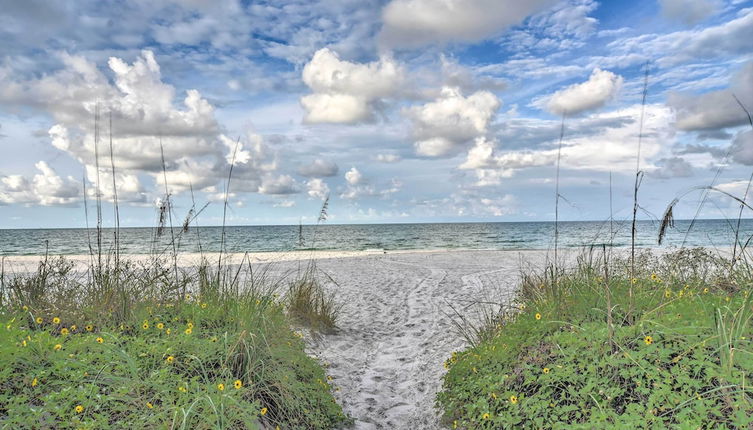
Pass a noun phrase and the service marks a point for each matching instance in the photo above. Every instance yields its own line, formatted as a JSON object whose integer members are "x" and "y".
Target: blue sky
{"x": 399, "y": 110}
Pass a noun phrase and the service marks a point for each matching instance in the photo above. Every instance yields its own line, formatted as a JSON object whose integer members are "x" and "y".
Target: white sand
{"x": 395, "y": 329}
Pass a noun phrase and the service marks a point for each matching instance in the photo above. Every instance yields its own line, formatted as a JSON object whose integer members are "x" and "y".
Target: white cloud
{"x": 561, "y": 28}
{"x": 602, "y": 142}
{"x": 441, "y": 126}
{"x": 148, "y": 120}
{"x": 715, "y": 109}
{"x": 490, "y": 167}
{"x": 730, "y": 38}
{"x": 319, "y": 168}
{"x": 46, "y": 188}
{"x": 278, "y": 185}
{"x": 387, "y": 158}
{"x": 414, "y": 23}
{"x": 601, "y": 87}
{"x": 317, "y": 188}
{"x": 357, "y": 186}
{"x": 353, "y": 176}
{"x": 689, "y": 11}
{"x": 346, "y": 92}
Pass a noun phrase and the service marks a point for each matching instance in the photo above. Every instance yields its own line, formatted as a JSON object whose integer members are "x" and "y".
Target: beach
{"x": 395, "y": 329}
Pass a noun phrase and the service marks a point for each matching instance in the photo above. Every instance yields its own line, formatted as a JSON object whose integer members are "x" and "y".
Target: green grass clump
{"x": 678, "y": 355}
{"x": 197, "y": 353}
{"x": 309, "y": 304}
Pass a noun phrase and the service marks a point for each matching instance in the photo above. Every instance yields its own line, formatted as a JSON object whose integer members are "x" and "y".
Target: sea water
{"x": 496, "y": 235}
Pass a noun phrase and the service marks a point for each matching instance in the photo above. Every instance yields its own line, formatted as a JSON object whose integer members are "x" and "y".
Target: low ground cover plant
{"x": 668, "y": 347}
{"x": 123, "y": 346}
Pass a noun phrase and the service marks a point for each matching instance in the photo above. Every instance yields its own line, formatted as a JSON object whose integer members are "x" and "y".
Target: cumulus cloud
{"x": 742, "y": 148}
{"x": 46, "y": 188}
{"x": 674, "y": 167}
{"x": 490, "y": 167}
{"x": 715, "y": 109}
{"x": 346, "y": 92}
{"x": 357, "y": 186}
{"x": 689, "y": 11}
{"x": 440, "y": 127}
{"x": 415, "y": 23}
{"x": 317, "y": 188}
{"x": 278, "y": 185}
{"x": 601, "y": 87}
{"x": 150, "y": 122}
{"x": 603, "y": 141}
{"x": 319, "y": 168}
{"x": 353, "y": 176}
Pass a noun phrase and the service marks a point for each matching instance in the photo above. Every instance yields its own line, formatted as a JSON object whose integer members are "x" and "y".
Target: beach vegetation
{"x": 651, "y": 341}
{"x": 205, "y": 350}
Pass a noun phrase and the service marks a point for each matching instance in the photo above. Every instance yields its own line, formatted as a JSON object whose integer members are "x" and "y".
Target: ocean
{"x": 497, "y": 235}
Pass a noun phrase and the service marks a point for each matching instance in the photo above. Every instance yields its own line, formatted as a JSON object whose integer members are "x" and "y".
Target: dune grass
{"x": 580, "y": 353}
{"x": 139, "y": 346}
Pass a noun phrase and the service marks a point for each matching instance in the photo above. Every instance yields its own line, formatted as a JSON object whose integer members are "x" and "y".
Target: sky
{"x": 398, "y": 110}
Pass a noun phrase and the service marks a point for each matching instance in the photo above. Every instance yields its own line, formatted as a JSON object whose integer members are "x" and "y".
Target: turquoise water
{"x": 505, "y": 235}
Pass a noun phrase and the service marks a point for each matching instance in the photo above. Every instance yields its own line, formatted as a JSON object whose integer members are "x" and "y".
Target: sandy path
{"x": 395, "y": 332}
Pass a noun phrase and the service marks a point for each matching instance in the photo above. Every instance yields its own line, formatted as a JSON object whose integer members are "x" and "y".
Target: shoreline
{"x": 191, "y": 258}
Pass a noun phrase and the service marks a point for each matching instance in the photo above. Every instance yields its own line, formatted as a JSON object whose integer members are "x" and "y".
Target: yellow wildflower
{"x": 25, "y": 308}
{"x": 149, "y": 405}
{"x": 74, "y": 327}
{"x": 39, "y": 320}
{"x": 188, "y": 330}
{"x": 170, "y": 359}
{"x": 263, "y": 411}
{"x": 89, "y": 327}
{"x": 237, "y": 384}
{"x": 513, "y": 399}
{"x": 654, "y": 277}
{"x": 203, "y": 305}
{"x": 57, "y": 347}
{"x": 56, "y": 320}
{"x": 23, "y": 342}
{"x": 34, "y": 382}
{"x": 634, "y": 281}
{"x": 182, "y": 389}
{"x": 64, "y": 331}
{"x": 145, "y": 325}
{"x": 78, "y": 409}
{"x": 668, "y": 293}
{"x": 538, "y": 316}
{"x": 189, "y": 325}
{"x": 485, "y": 416}
{"x": 705, "y": 290}
{"x": 221, "y": 387}
{"x": 160, "y": 326}
{"x": 545, "y": 370}
{"x": 167, "y": 331}
{"x": 100, "y": 340}
{"x": 648, "y": 340}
